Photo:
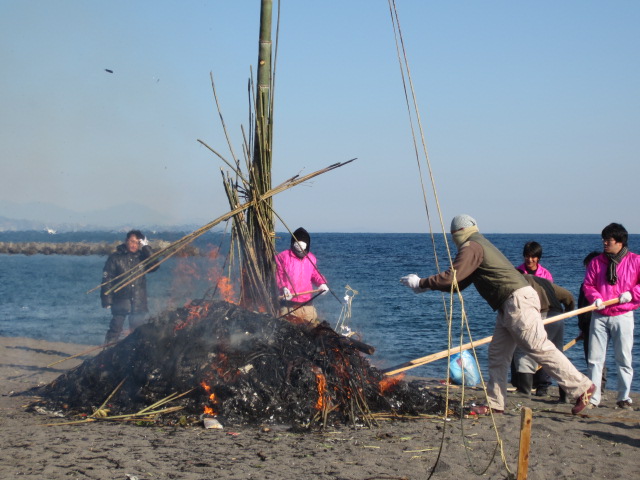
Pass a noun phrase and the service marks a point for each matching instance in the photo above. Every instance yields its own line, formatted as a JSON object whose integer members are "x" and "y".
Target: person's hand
{"x": 580, "y": 336}
{"x": 598, "y": 304}
{"x": 286, "y": 294}
{"x": 144, "y": 242}
{"x": 323, "y": 288}
{"x": 413, "y": 282}
{"x": 625, "y": 297}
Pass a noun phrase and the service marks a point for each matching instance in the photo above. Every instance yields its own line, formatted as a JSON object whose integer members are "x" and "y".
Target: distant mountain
{"x": 40, "y": 216}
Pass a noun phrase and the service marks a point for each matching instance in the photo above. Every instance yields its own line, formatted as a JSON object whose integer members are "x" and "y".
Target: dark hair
{"x": 591, "y": 256}
{"x": 137, "y": 233}
{"x": 617, "y": 232}
{"x": 532, "y": 249}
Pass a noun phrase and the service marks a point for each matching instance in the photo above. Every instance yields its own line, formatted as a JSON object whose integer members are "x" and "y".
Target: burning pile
{"x": 241, "y": 366}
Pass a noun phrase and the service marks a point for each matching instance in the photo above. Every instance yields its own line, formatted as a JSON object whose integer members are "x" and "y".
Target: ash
{"x": 241, "y": 366}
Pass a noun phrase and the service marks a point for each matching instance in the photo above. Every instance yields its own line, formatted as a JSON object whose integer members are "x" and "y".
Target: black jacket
{"x": 133, "y": 297}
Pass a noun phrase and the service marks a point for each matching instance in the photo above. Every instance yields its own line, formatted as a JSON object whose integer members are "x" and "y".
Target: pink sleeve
{"x": 590, "y": 285}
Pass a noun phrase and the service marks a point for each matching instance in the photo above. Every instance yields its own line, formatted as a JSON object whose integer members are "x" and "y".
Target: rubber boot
{"x": 563, "y": 396}
{"x": 525, "y": 383}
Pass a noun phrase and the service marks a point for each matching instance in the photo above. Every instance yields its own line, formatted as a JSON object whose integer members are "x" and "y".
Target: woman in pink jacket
{"x": 613, "y": 274}
{"x": 297, "y": 275}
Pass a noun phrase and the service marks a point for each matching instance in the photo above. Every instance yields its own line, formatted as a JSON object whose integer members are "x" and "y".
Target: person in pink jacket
{"x": 297, "y": 275}
{"x": 613, "y": 274}
{"x": 532, "y": 253}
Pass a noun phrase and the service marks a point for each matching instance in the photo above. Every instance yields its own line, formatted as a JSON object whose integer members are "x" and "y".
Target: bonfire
{"x": 217, "y": 359}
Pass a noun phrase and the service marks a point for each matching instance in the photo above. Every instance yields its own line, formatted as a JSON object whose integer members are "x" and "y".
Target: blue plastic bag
{"x": 460, "y": 361}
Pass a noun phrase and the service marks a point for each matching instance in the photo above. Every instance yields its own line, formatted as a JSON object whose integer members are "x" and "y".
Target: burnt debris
{"x": 241, "y": 366}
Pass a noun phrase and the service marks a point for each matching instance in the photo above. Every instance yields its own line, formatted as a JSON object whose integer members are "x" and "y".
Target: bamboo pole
{"x": 444, "y": 353}
{"x": 525, "y": 443}
{"x": 82, "y": 353}
{"x": 570, "y": 344}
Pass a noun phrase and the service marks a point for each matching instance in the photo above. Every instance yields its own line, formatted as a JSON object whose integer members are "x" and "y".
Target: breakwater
{"x": 80, "y": 248}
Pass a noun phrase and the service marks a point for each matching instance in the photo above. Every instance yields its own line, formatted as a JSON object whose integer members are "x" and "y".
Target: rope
{"x": 412, "y": 108}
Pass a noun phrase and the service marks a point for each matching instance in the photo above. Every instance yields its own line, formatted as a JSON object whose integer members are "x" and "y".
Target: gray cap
{"x": 462, "y": 221}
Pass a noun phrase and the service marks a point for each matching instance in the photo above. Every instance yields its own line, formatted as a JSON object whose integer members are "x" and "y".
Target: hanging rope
{"x": 413, "y": 110}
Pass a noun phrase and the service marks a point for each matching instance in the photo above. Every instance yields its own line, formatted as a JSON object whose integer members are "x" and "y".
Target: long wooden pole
{"x": 444, "y": 353}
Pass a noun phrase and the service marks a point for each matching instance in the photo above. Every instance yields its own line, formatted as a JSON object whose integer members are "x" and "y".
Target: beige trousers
{"x": 518, "y": 323}
{"x": 307, "y": 313}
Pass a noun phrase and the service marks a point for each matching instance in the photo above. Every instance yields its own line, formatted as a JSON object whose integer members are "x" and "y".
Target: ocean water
{"x": 46, "y": 296}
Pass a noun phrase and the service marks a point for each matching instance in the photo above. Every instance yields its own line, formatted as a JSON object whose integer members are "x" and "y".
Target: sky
{"x": 530, "y": 110}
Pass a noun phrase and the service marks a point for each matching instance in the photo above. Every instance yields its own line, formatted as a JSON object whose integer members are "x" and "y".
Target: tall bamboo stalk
{"x": 258, "y": 281}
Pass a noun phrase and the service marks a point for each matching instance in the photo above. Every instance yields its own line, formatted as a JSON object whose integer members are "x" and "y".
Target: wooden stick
{"x": 306, "y": 293}
{"x": 570, "y": 344}
{"x": 281, "y": 297}
{"x": 444, "y": 353}
{"x": 82, "y": 353}
{"x": 525, "y": 441}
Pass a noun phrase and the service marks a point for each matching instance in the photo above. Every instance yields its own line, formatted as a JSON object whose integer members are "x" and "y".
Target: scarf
{"x": 614, "y": 260}
{"x": 463, "y": 235}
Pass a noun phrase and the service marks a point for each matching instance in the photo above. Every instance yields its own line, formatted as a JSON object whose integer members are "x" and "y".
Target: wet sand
{"x": 604, "y": 443}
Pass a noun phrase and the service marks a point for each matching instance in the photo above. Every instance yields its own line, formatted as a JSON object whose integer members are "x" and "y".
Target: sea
{"x": 54, "y": 297}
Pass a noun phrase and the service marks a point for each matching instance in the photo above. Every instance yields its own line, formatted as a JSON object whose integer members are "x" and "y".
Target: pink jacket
{"x": 540, "y": 272}
{"x": 297, "y": 274}
{"x": 596, "y": 285}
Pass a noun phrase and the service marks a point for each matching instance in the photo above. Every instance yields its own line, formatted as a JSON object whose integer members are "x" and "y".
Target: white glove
{"x": 323, "y": 288}
{"x": 413, "y": 282}
{"x": 144, "y": 242}
{"x": 598, "y": 304}
{"x": 625, "y": 297}
{"x": 286, "y": 294}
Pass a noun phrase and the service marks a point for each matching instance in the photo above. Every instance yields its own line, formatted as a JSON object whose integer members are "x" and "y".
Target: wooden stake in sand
{"x": 444, "y": 353}
{"x": 525, "y": 441}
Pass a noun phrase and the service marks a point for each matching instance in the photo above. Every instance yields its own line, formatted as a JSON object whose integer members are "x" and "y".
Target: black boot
{"x": 542, "y": 390}
{"x": 563, "y": 396}
{"x": 525, "y": 383}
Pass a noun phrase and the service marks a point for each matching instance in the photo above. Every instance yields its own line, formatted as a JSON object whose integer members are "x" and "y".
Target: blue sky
{"x": 530, "y": 109}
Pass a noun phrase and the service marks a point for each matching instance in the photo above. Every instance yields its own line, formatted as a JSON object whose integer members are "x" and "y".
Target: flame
{"x": 195, "y": 313}
{"x": 212, "y": 398}
{"x": 387, "y": 383}
{"x": 226, "y": 289}
{"x": 322, "y": 390}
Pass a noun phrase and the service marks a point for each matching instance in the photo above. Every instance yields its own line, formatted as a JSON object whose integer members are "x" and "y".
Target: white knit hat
{"x": 462, "y": 221}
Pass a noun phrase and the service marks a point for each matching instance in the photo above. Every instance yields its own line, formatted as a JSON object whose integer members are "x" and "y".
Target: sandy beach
{"x": 603, "y": 443}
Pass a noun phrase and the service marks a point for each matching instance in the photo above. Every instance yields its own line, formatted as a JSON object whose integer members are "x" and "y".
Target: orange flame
{"x": 387, "y": 383}
{"x": 212, "y": 398}
{"x": 226, "y": 289}
{"x": 196, "y": 312}
{"x": 321, "y": 382}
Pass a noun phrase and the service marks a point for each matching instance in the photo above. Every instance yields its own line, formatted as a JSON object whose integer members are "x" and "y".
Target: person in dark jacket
{"x": 131, "y": 300}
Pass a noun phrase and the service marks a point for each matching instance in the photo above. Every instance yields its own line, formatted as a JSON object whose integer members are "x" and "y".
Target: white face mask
{"x": 299, "y": 246}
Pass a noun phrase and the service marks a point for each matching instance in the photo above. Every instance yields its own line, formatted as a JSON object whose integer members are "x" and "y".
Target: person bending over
{"x": 518, "y": 320}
